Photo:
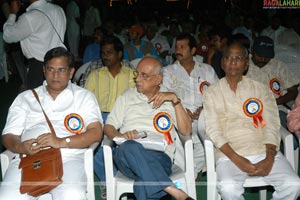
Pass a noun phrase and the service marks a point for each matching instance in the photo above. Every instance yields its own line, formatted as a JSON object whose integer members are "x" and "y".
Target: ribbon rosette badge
{"x": 253, "y": 107}
{"x": 203, "y": 86}
{"x": 275, "y": 86}
{"x": 74, "y": 123}
{"x": 162, "y": 122}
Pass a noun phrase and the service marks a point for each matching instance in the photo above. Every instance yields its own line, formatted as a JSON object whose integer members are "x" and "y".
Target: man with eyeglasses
{"x": 135, "y": 111}
{"x": 189, "y": 78}
{"x": 243, "y": 123}
{"x": 76, "y": 119}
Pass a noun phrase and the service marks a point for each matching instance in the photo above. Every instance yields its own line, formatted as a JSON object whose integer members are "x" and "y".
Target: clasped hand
{"x": 261, "y": 168}
{"x": 33, "y": 146}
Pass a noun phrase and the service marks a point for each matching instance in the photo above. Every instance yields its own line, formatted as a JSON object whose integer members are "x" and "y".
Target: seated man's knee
{"x": 130, "y": 146}
{"x": 230, "y": 190}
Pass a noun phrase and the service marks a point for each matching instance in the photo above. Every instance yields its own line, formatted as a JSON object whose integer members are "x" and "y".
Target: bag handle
{"x": 47, "y": 119}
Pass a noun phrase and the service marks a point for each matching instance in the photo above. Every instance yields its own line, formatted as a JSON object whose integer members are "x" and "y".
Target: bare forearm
{"x": 289, "y": 96}
{"x": 13, "y": 143}
{"x": 111, "y": 132}
{"x": 184, "y": 122}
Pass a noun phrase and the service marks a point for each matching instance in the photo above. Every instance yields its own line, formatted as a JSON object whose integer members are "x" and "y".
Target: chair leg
{"x": 263, "y": 194}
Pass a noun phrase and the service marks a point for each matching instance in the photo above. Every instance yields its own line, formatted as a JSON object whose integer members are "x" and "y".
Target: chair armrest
{"x": 6, "y": 157}
{"x": 94, "y": 146}
{"x": 288, "y": 144}
{"x": 108, "y": 161}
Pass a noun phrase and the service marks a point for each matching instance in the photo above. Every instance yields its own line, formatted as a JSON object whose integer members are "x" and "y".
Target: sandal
{"x": 103, "y": 191}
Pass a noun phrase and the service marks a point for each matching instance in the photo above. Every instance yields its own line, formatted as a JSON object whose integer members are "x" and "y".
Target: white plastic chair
{"x": 296, "y": 152}
{"x": 80, "y": 71}
{"x": 117, "y": 185}
{"x": 212, "y": 193}
{"x": 7, "y": 155}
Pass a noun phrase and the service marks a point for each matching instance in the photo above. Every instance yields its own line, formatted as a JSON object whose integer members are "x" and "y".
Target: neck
{"x": 233, "y": 81}
{"x": 188, "y": 65}
{"x": 53, "y": 93}
{"x": 115, "y": 69}
{"x": 137, "y": 42}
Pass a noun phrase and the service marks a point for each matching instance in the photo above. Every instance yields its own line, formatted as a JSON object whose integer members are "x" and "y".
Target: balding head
{"x": 148, "y": 75}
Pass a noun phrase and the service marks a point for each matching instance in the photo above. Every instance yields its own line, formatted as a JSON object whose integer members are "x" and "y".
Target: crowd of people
{"x": 179, "y": 73}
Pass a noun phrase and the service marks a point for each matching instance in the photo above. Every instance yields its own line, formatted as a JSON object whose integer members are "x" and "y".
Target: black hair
{"x": 59, "y": 52}
{"x": 110, "y": 39}
{"x": 188, "y": 36}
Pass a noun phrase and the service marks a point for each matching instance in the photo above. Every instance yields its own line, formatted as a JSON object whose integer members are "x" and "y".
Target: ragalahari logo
{"x": 281, "y": 4}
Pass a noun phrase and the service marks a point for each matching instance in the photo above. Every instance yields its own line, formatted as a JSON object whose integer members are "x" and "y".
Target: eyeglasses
{"x": 62, "y": 70}
{"x": 142, "y": 74}
{"x": 235, "y": 58}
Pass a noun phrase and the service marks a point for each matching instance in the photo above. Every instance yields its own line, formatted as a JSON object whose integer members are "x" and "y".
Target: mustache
{"x": 178, "y": 54}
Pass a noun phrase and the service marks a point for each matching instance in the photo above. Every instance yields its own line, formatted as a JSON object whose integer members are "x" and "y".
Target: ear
{"x": 72, "y": 70}
{"x": 193, "y": 50}
{"x": 120, "y": 55}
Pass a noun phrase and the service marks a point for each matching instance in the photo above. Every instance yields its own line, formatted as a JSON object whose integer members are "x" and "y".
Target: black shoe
{"x": 189, "y": 198}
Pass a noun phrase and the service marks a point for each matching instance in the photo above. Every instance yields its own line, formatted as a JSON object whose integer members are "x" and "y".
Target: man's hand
{"x": 244, "y": 164}
{"x": 129, "y": 135}
{"x": 15, "y": 6}
{"x": 48, "y": 140}
{"x": 263, "y": 167}
{"x": 30, "y": 147}
{"x": 194, "y": 115}
{"x": 160, "y": 97}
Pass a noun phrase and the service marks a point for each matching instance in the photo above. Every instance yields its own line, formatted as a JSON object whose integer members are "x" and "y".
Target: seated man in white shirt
{"x": 189, "y": 78}
{"x": 76, "y": 119}
{"x": 149, "y": 107}
{"x": 242, "y": 121}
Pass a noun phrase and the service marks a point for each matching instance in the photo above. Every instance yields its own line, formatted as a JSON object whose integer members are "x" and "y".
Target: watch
{"x": 177, "y": 102}
{"x": 68, "y": 140}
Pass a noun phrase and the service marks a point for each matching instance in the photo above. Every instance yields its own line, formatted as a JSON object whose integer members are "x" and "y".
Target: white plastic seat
{"x": 7, "y": 155}
{"x": 118, "y": 185}
{"x": 212, "y": 193}
{"x": 81, "y": 70}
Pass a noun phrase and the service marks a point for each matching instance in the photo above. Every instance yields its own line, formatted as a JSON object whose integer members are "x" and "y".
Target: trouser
{"x": 149, "y": 169}
{"x": 282, "y": 177}
{"x": 35, "y": 75}
{"x": 72, "y": 188}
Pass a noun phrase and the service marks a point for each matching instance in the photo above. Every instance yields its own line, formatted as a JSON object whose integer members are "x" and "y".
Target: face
{"x": 110, "y": 56}
{"x": 217, "y": 42}
{"x": 57, "y": 74}
{"x": 147, "y": 77}
{"x": 234, "y": 62}
{"x": 183, "y": 50}
{"x": 259, "y": 60}
{"x": 133, "y": 35}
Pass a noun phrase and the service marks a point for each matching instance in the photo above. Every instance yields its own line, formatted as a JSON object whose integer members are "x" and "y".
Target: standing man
{"x": 41, "y": 28}
{"x": 243, "y": 123}
{"x": 188, "y": 79}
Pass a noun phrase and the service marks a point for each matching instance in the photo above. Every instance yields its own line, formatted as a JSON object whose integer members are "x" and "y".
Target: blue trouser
{"x": 149, "y": 169}
{"x": 99, "y": 168}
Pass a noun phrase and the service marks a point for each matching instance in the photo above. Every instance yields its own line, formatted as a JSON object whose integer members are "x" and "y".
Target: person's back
{"x": 40, "y": 28}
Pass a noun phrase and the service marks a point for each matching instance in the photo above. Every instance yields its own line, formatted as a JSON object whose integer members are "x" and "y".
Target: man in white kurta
{"x": 242, "y": 121}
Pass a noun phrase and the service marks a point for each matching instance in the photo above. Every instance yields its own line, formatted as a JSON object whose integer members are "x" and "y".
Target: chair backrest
{"x": 119, "y": 184}
{"x": 81, "y": 70}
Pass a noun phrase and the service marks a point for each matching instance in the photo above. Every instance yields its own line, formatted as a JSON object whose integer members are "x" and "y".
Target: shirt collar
{"x": 36, "y": 5}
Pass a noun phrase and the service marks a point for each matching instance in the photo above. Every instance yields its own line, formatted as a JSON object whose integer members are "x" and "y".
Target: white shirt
{"x": 159, "y": 42}
{"x": 186, "y": 86}
{"x": 34, "y": 30}
{"x": 26, "y": 119}
{"x": 273, "y": 34}
{"x": 133, "y": 112}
